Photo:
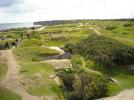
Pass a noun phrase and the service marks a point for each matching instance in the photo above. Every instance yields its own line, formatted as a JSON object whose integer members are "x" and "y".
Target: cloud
{"x": 35, "y": 10}
{"x": 8, "y": 3}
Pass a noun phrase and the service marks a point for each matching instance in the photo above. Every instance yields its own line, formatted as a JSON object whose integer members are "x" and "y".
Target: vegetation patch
{"x": 6, "y": 94}
{"x": 3, "y": 69}
{"x": 32, "y": 42}
{"x": 82, "y": 85}
{"x": 34, "y": 53}
{"x": 37, "y": 79}
{"x": 103, "y": 50}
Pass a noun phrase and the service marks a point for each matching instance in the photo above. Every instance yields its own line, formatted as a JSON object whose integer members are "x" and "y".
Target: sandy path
{"x": 57, "y": 48}
{"x": 96, "y": 31}
{"x": 124, "y": 95}
{"x": 12, "y": 80}
{"x": 40, "y": 29}
{"x": 63, "y": 63}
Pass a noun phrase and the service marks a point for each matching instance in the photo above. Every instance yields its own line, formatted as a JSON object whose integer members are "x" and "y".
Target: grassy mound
{"x": 104, "y": 50}
{"x": 34, "y": 53}
{"x": 38, "y": 74}
{"x": 32, "y": 42}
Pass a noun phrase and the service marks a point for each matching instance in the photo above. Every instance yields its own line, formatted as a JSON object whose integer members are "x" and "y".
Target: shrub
{"x": 69, "y": 47}
{"x": 90, "y": 86}
{"x": 90, "y": 64}
{"x": 9, "y": 36}
{"x": 68, "y": 77}
{"x": 104, "y": 51}
{"x": 128, "y": 25}
{"x": 83, "y": 85}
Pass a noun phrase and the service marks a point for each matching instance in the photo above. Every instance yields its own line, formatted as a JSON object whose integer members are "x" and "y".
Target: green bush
{"x": 69, "y": 47}
{"x": 104, "y": 51}
{"x": 90, "y": 64}
{"x": 9, "y": 36}
{"x": 90, "y": 86}
{"x": 128, "y": 25}
{"x": 83, "y": 85}
{"x": 68, "y": 77}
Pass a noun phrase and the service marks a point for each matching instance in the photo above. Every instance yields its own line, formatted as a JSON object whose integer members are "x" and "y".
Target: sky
{"x": 40, "y": 10}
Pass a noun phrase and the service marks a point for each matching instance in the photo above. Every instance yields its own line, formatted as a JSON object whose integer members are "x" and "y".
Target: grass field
{"x": 6, "y": 94}
{"x": 3, "y": 69}
{"x": 36, "y": 73}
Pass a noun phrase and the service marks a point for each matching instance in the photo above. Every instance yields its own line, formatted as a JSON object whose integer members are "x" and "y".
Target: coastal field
{"x": 41, "y": 78}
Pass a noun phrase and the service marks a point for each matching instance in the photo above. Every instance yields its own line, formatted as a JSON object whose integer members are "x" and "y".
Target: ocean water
{"x": 15, "y": 25}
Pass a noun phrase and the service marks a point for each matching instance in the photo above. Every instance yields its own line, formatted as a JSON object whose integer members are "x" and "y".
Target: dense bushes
{"x": 68, "y": 77}
{"x": 83, "y": 85}
{"x": 103, "y": 50}
{"x": 128, "y": 25}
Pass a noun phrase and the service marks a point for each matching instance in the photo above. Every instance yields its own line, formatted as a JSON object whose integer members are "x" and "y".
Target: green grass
{"x": 36, "y": 74}
{"x": 125, "y": 82}
{"x": 3, "y": 69}
{"x": 39, "y": 74}
{"x": 31, "y": 51}
{"x": 123, "y": 34}
{"x": 6, "y": 94}
{"x": 124, "y": 77}
{"x": 30, "y": 43}
{"x": 36, "y": 53}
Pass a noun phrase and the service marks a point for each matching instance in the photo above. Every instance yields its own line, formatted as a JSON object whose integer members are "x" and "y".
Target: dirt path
{"x": 12, "y": 80}
{"x": 124, "y": 95}
{"x": 40, "y": 29}
{"x": 63, "y": 63}
{"x": 96, "y": 31}
{"x": 57, "y": 48}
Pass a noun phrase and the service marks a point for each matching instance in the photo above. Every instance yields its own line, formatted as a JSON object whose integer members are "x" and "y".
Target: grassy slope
{"x": 39, "y": 73}
{"x": 6, "y": 94}
{"x": 36, "y": 73}
{"x": 74, "y": 33}
{"x": 126, "y": 36}
{"x": 35, "y": 53}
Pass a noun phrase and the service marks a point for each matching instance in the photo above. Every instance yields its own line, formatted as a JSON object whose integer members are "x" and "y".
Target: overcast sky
{"x": 36, "y": 10}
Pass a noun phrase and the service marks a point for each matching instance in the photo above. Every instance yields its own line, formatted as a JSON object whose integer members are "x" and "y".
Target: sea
{"x": 15, "y": 25}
